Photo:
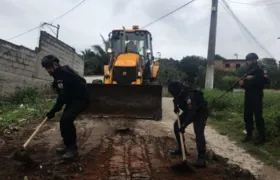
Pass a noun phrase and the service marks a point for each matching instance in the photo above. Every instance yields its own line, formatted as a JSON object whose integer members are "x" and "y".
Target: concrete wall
{"x": 20, "y": 66}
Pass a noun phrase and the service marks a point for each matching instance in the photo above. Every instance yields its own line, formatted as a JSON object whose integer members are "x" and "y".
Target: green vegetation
{"x": 24, "y": 104}
{"x": 95, "y": 58}
{"x": 227, "y": 118}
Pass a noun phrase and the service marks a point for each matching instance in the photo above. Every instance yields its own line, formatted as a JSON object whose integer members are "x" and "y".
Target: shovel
{"x": 184, "y": 166}
{"x": 21, "y": 155}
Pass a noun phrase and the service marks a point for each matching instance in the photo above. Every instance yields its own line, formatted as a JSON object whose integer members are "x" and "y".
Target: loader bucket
{"x": 127, "y": 101}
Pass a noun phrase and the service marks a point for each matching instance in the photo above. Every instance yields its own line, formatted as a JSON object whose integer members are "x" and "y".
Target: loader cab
{"x": 135, "y": 41}
{"x": 130, "y": 50}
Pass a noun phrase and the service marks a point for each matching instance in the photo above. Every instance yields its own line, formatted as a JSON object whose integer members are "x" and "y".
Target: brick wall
{"x": 20, "y": 66}
{"x": 230, "y": 64}
{"x": 219, "y": 64}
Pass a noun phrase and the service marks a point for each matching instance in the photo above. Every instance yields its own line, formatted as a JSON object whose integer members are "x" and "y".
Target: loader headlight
{"x": 148, "y": 51}
{"x": 109, "y": 50}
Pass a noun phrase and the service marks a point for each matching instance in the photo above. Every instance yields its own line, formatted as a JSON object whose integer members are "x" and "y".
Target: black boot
{"x": 247, "y": 138}
{"x": 260, "y": 141}
{"x": 60, "y": 150}
{"x": 200, "y": 163}
{"x": 71, "y": 153}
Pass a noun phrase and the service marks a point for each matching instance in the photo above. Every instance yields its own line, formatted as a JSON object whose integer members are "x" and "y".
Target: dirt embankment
{"x": 140, "y": 153}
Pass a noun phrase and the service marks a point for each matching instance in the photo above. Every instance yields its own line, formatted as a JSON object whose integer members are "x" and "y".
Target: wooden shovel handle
{"x": 181, "y": 138}
{"x": 34, "y": 133}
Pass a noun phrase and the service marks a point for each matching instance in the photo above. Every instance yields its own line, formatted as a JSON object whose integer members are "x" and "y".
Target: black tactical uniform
{"x": 253, "y": 103}
{"x": 72, "y": 93}
{"x": 195, "y": 111}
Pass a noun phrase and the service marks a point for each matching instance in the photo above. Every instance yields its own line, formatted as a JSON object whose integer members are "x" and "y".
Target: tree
{"x": 92, "y": 65}
{"x": 169, "y": 70}
{"x": 242, "y": 70}
{"x": 194, "y": 67}
{"x": 95, "y": 58}
{"x": 269, "y": 63}
{"x": 101, "y": 52}
{"x": 273, "y": 71}
{"x": 218, "y": 57}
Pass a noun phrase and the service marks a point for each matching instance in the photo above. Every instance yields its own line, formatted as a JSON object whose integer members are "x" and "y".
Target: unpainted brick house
{"x": 230, "y": 64}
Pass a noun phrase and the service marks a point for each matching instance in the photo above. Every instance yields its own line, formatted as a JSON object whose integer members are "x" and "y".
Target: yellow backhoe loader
{"x": 130, "y": 87}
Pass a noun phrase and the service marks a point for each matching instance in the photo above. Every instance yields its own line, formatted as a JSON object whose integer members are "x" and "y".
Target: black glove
{"x": 176, "y": 110}
{"x": 50, "y": 115}
{"x": 182, "y": 129}
{"x": 54, "y": 85}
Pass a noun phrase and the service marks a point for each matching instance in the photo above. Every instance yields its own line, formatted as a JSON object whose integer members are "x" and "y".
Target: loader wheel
{"x": 97, "y": 81}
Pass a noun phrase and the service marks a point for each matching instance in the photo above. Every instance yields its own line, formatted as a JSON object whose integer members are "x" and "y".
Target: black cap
{"x": 48, "y": 61}
{"x": 252, "y": 57}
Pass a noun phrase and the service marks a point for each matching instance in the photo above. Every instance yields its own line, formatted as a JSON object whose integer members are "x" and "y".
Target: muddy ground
{"x": 136, "y": 154}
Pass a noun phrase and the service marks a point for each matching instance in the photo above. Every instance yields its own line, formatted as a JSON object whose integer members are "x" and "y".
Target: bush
{"x": 25, "y": 95}
{"x": 24, "y": 104}
{"x": 230, "y": 108}
{"x": 224, "y": 79}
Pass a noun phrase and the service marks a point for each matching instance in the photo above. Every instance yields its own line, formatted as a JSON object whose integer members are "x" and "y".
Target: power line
{"x": 51, "y": 30}
{"x": 255, "y": 3}
{"x": 68, "y": 11}
{"x": 246, "y": 29}
{"x": 184, "y": 5}
{"x": 272, "y": 13}
{"x": 48, "y": 22}
{"x": 240, "y": 26}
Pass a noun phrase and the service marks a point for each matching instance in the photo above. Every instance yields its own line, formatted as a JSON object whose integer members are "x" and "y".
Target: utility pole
{"x": 57, "y": 28}
{"x": 209, "y": 79}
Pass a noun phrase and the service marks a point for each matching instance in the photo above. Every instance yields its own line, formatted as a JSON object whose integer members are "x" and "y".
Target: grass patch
{"x": 24, "y": 104}
{"x": 227, "y": 118}
{"x": 233, "y": 128}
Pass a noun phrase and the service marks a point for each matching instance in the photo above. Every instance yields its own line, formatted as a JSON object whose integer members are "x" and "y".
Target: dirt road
{"x": 106, "y": 154}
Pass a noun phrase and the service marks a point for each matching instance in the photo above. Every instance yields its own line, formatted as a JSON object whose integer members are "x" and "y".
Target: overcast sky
{"x": 182, "y": 33}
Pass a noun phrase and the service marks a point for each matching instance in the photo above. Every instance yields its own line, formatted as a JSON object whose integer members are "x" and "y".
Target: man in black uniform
{"x": 253, "y": 104}
{"x": 195, "y": 111}
{"x": 72, "y": 93}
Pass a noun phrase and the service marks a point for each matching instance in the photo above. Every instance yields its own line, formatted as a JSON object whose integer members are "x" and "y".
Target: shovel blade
{"x": 184, "y": 167}
{"x": 21, "y": 155}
